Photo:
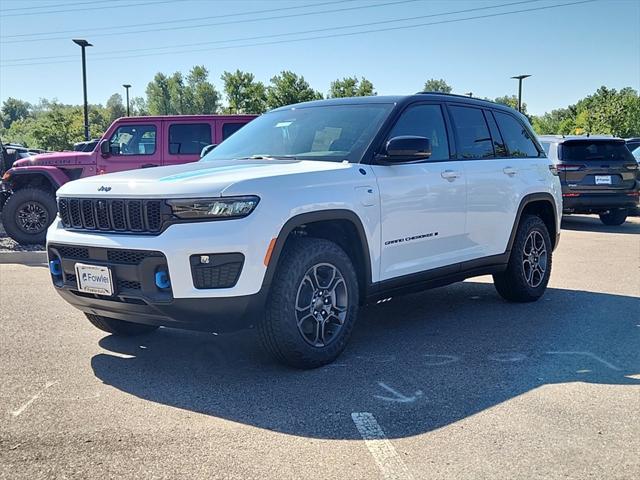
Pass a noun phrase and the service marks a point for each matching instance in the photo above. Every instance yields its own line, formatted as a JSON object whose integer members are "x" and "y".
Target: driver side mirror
{"x": 405, "y": 149}
{"x": 207, "y": 149}
{"x": 105, "y": 148}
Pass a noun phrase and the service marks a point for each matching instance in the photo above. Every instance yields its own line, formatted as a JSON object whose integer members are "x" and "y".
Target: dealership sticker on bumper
{"x": 603, "y": 179}
{"x": 94, "y": 279}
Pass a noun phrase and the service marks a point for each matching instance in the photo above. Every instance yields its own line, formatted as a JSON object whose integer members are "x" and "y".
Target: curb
{"x": 38, "y": 257}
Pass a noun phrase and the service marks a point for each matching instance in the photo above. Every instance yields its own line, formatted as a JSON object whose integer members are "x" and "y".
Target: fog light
{"x": 55, "y": 267}
{"x": 162, "y": 280}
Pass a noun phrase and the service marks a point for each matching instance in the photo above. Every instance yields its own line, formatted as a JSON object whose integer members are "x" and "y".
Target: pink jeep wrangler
{"x": 29, "y": 187}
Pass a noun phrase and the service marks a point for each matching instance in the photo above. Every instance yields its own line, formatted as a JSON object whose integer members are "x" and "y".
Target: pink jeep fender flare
{"x": 53, "y": 175}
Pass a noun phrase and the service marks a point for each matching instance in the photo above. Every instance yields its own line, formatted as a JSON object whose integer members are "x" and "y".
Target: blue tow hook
{"x": 55, "y": 267}
{"x": 162, "y": 279}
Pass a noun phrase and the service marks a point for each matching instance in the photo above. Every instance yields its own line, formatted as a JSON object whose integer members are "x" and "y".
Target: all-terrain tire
{"x": 614, "y": 217}
{"x": 27, "y": 214}
{"x": 513, "y": 284}
{"x": 120, "y": 328}
{"x": 278, "y": 329}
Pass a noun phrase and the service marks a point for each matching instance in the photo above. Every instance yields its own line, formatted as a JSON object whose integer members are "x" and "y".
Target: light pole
{"x": 127, "y": 87}
{"x": 520, "y": 78}
{"x": 84, "y": 44}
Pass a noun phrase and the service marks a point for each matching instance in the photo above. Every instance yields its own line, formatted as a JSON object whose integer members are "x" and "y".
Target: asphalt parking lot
{"x": 448, "y": 384}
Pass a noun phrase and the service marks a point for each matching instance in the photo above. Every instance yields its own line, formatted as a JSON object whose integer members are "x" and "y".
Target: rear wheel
{"x": 312, "y": 305}
{"x": 27, "y": 214}
{"x": 529, "y": 267}
{"x": 119, "y": 327}
{"x": 614, "y": 217}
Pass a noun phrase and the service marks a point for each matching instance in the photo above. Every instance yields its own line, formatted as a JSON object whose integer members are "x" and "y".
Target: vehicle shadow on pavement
{"x": 417, "y": 363}
{"x": 584, "y": 223}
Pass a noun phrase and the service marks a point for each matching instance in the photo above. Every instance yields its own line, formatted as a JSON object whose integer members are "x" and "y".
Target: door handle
{"x": 149, "y": 165}
{"x": 509, "y": 171}
{"x": 450, "y": 175}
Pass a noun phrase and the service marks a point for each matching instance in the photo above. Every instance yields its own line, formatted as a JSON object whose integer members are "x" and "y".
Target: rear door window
{"x": 498, "y": 143}
{"x": 189, "y": 138}
{"x": 425, "y": 121}
{"x": 472, "y": 132}
{"x": 516, "y": 137}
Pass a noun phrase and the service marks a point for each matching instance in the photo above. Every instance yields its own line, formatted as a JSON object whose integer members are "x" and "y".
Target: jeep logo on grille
{"x": 104, "y": 188}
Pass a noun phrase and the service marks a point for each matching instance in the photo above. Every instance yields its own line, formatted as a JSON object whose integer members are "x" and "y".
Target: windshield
{"x": 636, "y": 153}
{"x": 594, "y": 150}
{"x": 331, "y": 132}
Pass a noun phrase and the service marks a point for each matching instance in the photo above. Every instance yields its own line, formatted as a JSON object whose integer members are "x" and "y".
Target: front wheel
{"x": 27, "y": 214}
{"x": 120, "y": 328}
{"x": 312, "y": 305}
{"x": 614, "y": 217}
{"x": 529, "y": 267}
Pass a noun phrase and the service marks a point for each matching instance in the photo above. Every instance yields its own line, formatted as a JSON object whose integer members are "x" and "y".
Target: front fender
{"x": 53, "y": 175}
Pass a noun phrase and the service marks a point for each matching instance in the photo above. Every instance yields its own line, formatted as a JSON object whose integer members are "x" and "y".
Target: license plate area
{"x": 603, "y": 179}
{"x": 95, "y": 279}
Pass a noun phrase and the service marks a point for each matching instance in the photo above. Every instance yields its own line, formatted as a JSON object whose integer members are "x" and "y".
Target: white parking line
{"x": 588, "y": 354}
{"x": 17, "y": 412}
{"x": 381, "y": 449}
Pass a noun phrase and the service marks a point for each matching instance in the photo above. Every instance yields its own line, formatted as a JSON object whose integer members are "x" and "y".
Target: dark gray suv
{"x": 598, "y": 175}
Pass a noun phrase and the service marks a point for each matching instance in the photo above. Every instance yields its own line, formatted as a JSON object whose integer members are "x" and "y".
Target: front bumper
{"x": 597, "y": 202}
{"x": 135, "y": 259}
{"x": 218, "y": 315}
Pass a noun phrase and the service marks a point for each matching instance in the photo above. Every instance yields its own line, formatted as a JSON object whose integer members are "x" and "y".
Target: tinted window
{"x": 328, "y": 132}
{"x": 188, "y": 138}
{"x": 546, "y": 146}
{"x": 133, "y": 140}
{"x": 498, "y": 143}
{"x": 425, "y": 121}
{"x": 595, "y": 150}
{"x": 229, "y": 129}
{"x": 472, "y": 132}
{"x": 516, "y": 136}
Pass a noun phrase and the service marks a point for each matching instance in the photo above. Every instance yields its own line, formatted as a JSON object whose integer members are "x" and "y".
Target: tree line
{"x": 56, "y": 126}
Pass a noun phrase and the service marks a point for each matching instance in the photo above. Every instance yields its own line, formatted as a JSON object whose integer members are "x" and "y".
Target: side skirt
{"x": 438, "y": 277}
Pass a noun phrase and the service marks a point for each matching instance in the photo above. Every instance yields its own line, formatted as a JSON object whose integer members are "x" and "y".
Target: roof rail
{"x": 456, "y": 95}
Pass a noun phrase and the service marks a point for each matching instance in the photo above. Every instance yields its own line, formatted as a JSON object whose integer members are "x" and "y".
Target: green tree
{"x": 202, "y": 95}
{"x": 511, "y": 101}
{"x": 244, "y": 94}
{"x": 288, "y": 88}
{"x": 173, "y": 95}
{"x": 158, "y": 96}
{"x": 115, "y": 107}
{"x": 351, "y": 87}
{"x": 437, "y": 85}
{"x": 138, "y": 106}
{"x": 14, "y": 109}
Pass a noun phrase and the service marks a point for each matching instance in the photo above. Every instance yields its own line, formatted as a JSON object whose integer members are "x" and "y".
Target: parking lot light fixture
{"x": 520, "y": 78}
{"x": 127, "y": 87}
{"x": 83, "y": 45}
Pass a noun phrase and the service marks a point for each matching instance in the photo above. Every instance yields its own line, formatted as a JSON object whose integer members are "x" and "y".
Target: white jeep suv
{"x": 308, "y": 212}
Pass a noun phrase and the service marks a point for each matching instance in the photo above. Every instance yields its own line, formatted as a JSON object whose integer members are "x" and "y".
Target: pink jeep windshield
{"x": 332, "y": 132}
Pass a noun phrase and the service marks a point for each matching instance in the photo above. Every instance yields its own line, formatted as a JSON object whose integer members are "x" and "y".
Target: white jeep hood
{"x": 189, "y": 180}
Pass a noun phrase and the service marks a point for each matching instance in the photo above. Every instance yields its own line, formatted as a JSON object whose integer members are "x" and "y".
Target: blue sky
{"x": 569, "y": 50}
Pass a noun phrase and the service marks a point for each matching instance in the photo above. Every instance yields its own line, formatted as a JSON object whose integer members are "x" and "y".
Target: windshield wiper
{"x": 266, "y": 157}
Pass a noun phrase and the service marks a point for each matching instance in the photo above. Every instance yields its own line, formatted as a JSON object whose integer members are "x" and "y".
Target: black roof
{"x": 400, "y": 100}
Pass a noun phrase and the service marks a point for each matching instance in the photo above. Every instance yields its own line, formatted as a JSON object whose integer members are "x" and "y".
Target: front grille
{"x": 128, "y": 285}
{"x": 117, "y": 215}
{"x": 130, "y": 257}
{"x": 79, "y": 253}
